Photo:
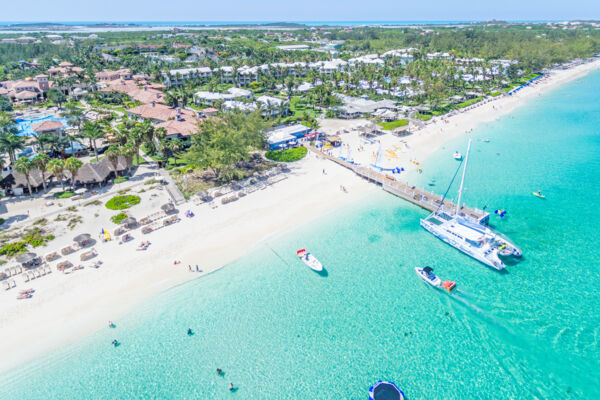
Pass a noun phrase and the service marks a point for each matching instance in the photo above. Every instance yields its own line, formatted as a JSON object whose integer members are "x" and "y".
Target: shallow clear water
{"x": 281, "y": 331}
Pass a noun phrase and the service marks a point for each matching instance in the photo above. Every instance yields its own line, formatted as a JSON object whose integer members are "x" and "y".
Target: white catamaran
{"x": 470, "y": 237}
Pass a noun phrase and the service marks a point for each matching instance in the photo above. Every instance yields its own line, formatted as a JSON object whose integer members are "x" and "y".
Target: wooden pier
{"x": 424, "y": 199}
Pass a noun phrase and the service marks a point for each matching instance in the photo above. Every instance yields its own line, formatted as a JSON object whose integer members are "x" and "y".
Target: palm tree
{"x": 74, "y": 117}
{"x": 112, "y": 155}
{"x": 175, "y": 146}
{"x": 7, "y": 123}
{"x": 10, "y": 143}
{"x": 25, "y": 166}
{"x": 142, "y": 133}
{"x": 93, "y": 131}
{"x": 57, "y": 167}
{"x": 41, "y": 162}
{"x": 73, "y": 165}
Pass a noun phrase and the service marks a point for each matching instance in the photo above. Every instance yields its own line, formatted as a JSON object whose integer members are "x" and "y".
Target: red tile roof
{"x": 47, "y": 126}
{"x": 160, "y": 112}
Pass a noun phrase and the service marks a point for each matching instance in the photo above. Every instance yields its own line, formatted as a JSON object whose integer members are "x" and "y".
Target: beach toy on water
{"x": 501, "y": 213}
{"x": 383, "y": 390}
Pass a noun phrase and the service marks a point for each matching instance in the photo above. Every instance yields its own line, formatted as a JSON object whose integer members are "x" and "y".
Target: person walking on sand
{"x": 197, "y": 270}
{"x": 190, "y": 268}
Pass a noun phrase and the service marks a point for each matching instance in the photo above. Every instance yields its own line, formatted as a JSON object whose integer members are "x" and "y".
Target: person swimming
{"x": 220, "y": 372}
{"x": 190, "y": 332}
{"x": 231, "y": 387}
{"x": 111, "y": 324}
{"x": 115, "y": 342}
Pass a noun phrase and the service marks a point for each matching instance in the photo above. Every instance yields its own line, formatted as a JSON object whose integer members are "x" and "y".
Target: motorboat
{"x": 467, "y": 235}
{"x": 383, "y": 390}
{"x": 457, "y": 156}
{"x": 310, "y": 260}
{"x": 428, "y": 276}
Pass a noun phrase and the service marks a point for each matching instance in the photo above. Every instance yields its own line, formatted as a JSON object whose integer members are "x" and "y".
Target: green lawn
{"x": 469, "y": 102}
{"x": 142, "y": 161}
{"x": 394, "y": 124}
{"x": 423, "y": 117}
{"x": 288, "y": 155}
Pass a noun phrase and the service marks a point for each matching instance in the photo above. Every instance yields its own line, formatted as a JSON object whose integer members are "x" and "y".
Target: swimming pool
{"x": 24, "y": 124}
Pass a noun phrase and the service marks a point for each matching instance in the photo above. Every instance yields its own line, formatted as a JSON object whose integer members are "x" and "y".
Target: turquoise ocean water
{"x": 281, "y": 331}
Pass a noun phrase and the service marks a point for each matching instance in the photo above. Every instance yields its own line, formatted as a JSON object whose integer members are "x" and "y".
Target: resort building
{"x": 203, "y": 97}
{"x": 294, "y": 47}
{"x": 273, "y": 106}
{"x": 108, "y": 76}
{"x": 177, "y": 122}
{"x": 26, "y": 91}
{"x": 176, "y": 77}
{"x": 354, "y": 107}
{"x": 286, "y": 136}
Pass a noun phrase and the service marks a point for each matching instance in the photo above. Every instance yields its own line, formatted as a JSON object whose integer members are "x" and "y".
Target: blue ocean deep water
{"x": 281, "y": 331}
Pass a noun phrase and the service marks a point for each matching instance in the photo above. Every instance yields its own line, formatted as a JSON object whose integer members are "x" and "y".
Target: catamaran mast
{"x": 462, "y": 180}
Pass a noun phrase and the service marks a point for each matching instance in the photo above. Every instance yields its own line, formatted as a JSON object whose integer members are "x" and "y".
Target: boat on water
{"x": 426, "y": 273}
{"x": 457, "y": 156}
{"x": 310, "y": 260}
{"x": 383, "y": 390}
{"x": 471, "y": 237}
{"x": 428, "y": 276}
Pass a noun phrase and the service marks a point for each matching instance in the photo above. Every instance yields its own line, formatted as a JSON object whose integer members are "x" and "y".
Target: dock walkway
{"x": 422, "y": 198}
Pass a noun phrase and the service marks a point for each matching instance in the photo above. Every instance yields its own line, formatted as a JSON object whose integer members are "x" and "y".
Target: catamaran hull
{"x": 497, "y": 265}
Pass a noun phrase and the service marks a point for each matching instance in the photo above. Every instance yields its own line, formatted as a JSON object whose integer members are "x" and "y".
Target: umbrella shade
{"x": 27, "y": 257}
{"x": 82, "y": 238}
{"x": 81, "y": 191}
{"x": 129, "y": 221}
{"x": 167, "y": 207}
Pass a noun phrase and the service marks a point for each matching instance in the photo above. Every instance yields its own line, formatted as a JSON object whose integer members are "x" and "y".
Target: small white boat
{"x": 310, "y": 260}
{"x": 429, "y": 277}
{"x": 457, "y": 156}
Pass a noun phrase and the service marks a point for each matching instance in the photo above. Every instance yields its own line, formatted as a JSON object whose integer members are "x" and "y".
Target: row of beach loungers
{"x": 12, "y": 271}
{"x": 9, "y": 284}
{"x": 160, "y": 224}
{"x": 37, "y": 273}
{"x": 233, "y": 192}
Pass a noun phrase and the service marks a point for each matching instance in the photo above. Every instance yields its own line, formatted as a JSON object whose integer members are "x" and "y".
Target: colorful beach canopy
{"x": 383, "y": 390}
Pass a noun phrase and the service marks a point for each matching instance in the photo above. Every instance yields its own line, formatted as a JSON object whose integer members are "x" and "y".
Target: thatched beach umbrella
{"x": 129, "y": 221}
{"x": 168, "y": 207}
{"x": 26, "y": 258}
{"x": 82, "y": 238}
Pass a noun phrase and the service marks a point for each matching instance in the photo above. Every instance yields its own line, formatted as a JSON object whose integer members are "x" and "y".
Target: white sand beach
{"x": 66, "y": 307}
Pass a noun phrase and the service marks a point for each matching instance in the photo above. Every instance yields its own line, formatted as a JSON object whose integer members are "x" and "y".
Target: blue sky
{"x": 304, "y": 10}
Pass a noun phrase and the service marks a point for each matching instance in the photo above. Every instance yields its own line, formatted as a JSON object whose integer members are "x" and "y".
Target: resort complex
{"x": 319, "y": 163}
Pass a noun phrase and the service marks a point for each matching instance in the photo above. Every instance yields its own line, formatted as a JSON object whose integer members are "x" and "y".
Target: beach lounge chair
{"x": 52, "y": 256}
{"x": 63, "y": 264}
{"x": 88, "y": 254}
{"x": 67, "y": 250}
{"x": 26, "y": 278}
{"x": 6, "y": 285}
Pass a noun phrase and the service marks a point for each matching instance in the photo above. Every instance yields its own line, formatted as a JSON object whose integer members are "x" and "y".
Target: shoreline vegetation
{"x": 127, "y": 277}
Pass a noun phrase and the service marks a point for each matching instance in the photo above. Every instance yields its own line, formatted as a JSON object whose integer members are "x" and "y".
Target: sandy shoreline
{"x": 68, "y": 307}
